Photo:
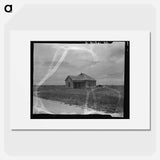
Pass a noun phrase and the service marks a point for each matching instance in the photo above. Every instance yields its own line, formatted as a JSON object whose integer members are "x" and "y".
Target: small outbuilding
{"x": 80, "y": 81}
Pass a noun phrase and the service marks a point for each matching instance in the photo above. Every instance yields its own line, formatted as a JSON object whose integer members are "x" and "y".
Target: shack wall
{"x": 69, "y": 83}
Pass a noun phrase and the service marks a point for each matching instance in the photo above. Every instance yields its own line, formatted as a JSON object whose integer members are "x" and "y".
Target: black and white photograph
{"x": 79, "y": 79}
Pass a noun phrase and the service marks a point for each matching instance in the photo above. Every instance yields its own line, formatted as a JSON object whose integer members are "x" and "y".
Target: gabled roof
{"x": 81, "y": 77}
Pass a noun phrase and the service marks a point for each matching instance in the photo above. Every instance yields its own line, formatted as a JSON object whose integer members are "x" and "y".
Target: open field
{"x": 108, "y": 99}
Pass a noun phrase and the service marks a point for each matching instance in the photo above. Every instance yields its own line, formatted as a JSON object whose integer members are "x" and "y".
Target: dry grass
{"x": 108, "y": 99}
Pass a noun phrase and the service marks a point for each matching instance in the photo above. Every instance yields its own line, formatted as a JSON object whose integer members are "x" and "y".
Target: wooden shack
{"x": 80, "y": 81}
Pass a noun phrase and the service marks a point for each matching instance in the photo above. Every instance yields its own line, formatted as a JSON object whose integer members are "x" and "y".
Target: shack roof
{"x": 81, "y": 77}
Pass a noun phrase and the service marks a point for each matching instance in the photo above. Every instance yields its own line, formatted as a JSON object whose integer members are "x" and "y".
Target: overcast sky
{"x": 104, "y": 62}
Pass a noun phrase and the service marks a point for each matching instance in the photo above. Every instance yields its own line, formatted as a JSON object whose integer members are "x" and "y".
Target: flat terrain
{"x": 108, "y": 99}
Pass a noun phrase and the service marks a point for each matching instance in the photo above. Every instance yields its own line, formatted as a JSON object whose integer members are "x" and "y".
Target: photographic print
{"x": 79, "y": 79}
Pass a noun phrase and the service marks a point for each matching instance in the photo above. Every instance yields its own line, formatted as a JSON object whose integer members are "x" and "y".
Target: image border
{"x": 126, "y": 110}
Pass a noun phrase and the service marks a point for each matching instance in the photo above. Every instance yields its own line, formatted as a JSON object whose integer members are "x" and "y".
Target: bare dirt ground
{"x": 56, "y": 107}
